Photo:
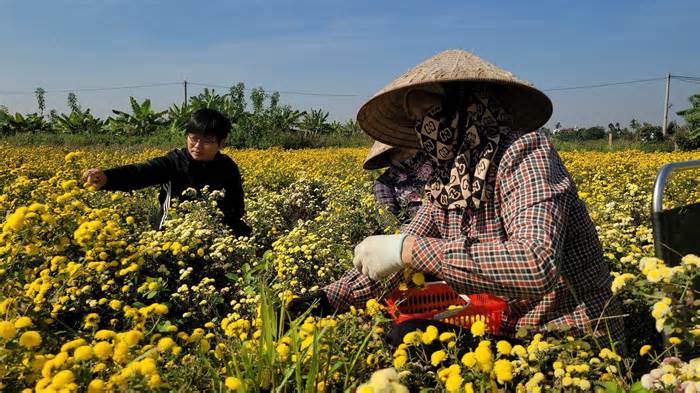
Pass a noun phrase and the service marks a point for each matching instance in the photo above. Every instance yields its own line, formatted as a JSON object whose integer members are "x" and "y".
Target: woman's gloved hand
{"x": 379, "y": 256}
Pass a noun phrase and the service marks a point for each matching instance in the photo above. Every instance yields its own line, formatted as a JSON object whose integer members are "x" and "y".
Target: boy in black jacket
{"x": 199, "y": 164}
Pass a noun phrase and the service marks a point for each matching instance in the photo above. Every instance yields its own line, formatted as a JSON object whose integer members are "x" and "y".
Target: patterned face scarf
{"x": 462, "y": 142}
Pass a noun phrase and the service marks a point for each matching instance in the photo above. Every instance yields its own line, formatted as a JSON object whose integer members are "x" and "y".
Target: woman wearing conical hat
{"x": 503, "y": 215}
{"x": 400, "y": 188}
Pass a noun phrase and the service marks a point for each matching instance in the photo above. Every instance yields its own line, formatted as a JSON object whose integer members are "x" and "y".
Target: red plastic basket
{"x": 435, "y": 298}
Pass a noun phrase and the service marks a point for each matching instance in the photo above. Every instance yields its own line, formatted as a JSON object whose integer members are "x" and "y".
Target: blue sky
{"x": 352, "y": 47}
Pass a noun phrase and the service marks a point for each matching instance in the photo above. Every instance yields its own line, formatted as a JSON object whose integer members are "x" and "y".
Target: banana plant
{"x": 78, "y": 122}
{"x": 12, "y": 124}
{"x": 142, "y": 121}
{"x": 231, "y": 104}
{"x": 35, "y": 122}
{"x": 8, "y": 122}
{"x": 210, "y": 99}
{"x": 316, "y": 122}
{"x": 178, "y": 116}
{"x": 286, "y": 119}
{"x": 692, "y": 116}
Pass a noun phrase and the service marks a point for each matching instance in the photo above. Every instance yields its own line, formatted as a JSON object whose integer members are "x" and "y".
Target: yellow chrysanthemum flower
{"x": 23, "y": 322}
{"x": 103, "y": 350}
{"x": 430, "y": 334}
{"x": 418, "y": 278}
{"x": 7, "y": 330}
{"x": 96, "y": 386}
{"x": 478, "y": 328}
{"x": 503, "y": 347}
{"x": 83, "y": 353}
{"x": 453, "y": 383}
{"x": 503, "y": 370}
{"x": 30, "y": 339}
{"x": 469, "y": 359}
{"x": 233, "y": 383}
{"x": 438, "y": 357}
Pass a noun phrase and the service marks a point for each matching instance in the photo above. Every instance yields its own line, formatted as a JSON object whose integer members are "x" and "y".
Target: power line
{"x": 84, "y": 89}
{"x": 682, "y": 78}
{"x": 116, "y": 87}
{"x": 303, "y": 93}
{"x": 685, "y": 77}
{"x": 13, "y": 93}
{"x": 604, "y": 84}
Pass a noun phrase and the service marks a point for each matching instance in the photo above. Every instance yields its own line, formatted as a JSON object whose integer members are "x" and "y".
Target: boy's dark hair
{"x": 208, "y": 122}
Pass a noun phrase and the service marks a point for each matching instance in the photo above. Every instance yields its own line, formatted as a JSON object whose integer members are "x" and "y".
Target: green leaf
{"x": 162, "y": 327}
{"x": 668, "y": 328}
{"x": 638, "y": 388}
{"x": 612, "y": 387}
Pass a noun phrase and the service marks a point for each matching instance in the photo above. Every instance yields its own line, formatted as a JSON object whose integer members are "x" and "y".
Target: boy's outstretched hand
{"x": 95, "y": 177}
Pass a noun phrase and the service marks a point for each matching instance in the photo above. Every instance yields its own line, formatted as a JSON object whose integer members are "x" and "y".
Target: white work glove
{"x": 379, "y": 256}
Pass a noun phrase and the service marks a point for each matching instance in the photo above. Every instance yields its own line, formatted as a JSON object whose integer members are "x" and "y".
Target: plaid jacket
{"x": 533, "y": 244}
{"x": 400, "y": 188}
{"x": 384, "y": 196}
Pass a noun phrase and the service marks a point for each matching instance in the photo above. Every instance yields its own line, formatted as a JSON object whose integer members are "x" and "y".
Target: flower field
{"x": 92, "y": 299}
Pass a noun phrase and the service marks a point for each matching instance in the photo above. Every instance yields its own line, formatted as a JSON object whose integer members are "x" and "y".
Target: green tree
{"x": 688, "y": 138}
{"x": 614, "y": 129}
{"x": 650, "y": 133}
{"x": 73, "y": 102}
{"x": 40, "y": 94}
{"x": 692, "y": 115}
{"x": 634, "y": 125}
{"x": 257, "y": 98}
{"x": 236, "y": 96}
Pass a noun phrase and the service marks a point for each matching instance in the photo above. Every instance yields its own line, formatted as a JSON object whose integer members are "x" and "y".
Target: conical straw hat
{"x": 384, "y": 118}
{"x": 378, "y": 156}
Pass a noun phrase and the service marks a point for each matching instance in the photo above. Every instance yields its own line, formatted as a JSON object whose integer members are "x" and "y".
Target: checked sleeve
{"x": 422, "y": 225}
{"x": 534, "y": 192}
{"x": 354, "y": 288}
{"x": 384, "y": 196}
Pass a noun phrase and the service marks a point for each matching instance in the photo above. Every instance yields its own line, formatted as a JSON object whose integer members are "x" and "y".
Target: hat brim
{"x": 381, "y": 160}
{"x": 379, "y": 156}
{"x": 384, "y": 118}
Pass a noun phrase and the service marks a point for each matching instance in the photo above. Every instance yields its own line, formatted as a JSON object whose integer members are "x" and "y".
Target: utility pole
{"x": 185, "y": 84}
{"x": 665, "y": 125}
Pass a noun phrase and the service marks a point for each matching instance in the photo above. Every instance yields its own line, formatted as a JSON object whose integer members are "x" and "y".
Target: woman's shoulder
{"x": 517, "y": 147}
{"x": 525, "y": 141}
